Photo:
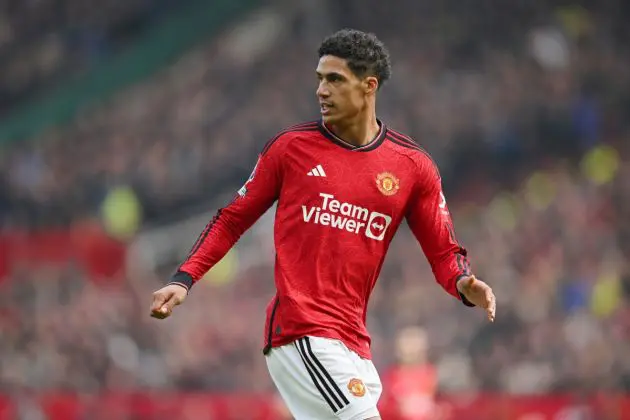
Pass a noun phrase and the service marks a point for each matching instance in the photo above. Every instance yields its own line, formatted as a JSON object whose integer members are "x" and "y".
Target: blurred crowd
{"x": 527, "y": 119}
{"x": 552, "y": 250}
{"x": 44, "y": 41}
{"x": 550, "y": 84}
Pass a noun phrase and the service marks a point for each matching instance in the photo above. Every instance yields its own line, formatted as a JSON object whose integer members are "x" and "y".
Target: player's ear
{"x": 370, "y": 84}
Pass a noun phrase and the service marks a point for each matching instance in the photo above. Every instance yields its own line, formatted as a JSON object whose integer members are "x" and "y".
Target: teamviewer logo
{"x": 377, "y": 226}
{"x": 332, "y": 213}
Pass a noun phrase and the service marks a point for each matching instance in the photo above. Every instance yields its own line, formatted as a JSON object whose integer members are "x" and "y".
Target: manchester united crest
{"x": 387, "y": 183}
{"x": 356, "y": 387}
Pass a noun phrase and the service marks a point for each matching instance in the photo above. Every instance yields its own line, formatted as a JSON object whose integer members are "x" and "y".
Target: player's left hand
{"x": 479, "y": 294}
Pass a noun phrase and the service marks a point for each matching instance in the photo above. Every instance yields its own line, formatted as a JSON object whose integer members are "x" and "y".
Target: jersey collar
{"x": 377, "y": 141}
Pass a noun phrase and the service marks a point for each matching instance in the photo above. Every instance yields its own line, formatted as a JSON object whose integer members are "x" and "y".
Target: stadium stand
{"x": 524, "y": 107}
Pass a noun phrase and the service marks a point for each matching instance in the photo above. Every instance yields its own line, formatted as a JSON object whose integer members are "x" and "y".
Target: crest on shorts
{"x": 387, "y": 183}
{"x": 356, "y": 387}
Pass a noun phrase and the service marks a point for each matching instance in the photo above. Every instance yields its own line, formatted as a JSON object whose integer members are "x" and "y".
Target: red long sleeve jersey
{"x": 338, "y": 209}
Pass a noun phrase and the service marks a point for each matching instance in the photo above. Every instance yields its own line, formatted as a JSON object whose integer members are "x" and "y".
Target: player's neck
{"x": 359, "y": 131}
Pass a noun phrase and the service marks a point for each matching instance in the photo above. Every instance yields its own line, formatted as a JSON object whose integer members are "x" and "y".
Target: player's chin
{"x": 329, "y": 117}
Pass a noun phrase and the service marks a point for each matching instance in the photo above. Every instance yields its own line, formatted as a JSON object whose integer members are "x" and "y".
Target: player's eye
{"x": 335, "y": 78}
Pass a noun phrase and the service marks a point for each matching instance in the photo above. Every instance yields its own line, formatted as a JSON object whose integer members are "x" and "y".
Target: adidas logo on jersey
{"x": 348, "y": 217}
{"x": 317, "y": 171}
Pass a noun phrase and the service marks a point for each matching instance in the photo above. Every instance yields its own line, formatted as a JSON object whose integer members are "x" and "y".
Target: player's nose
{"x": 322, "y": 91}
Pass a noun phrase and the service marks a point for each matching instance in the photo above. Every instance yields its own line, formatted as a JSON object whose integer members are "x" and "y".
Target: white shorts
{"x": 320, "y": 378}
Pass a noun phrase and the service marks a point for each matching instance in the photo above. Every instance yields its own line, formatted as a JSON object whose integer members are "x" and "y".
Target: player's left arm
{"x": 431, "y": 223}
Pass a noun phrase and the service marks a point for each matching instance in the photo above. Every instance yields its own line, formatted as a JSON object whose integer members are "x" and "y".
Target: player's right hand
{"x": 165, "y": 299}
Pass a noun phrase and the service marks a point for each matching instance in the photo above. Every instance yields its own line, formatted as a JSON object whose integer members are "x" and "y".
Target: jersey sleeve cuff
{"x": 462, "y": 297}
{"x": 182, "y": 279}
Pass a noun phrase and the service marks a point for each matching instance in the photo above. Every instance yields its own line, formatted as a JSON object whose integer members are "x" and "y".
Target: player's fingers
{"x": 491, "y": 305}
{"x": 168, "y": 306}
{"x": 161, "y": 313}
{"x": 159, "y": 298}
{"x": 162, "y": 305}
{"x": 158, "y": 315}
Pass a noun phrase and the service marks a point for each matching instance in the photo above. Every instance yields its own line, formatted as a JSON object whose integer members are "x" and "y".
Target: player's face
{"x": 342, "y": 95}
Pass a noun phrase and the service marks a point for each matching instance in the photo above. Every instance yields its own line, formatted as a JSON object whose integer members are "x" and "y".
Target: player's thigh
{"x": 369, "y": 375}
{"x": 319, "y": 378}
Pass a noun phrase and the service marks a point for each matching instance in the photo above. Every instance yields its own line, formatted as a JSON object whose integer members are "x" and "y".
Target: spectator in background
{"x": 48, "y": 41}
{"x": 412, "y": 381}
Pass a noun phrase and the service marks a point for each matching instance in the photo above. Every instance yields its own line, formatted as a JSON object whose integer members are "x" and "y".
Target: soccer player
{"x": 343, "y": 184}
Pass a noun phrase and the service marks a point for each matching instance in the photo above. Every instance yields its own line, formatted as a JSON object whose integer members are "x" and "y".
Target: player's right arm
{"x": 255, "y": 197}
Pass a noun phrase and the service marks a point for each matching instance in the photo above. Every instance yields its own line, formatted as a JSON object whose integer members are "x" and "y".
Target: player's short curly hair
{"x": 365, "y": 54}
